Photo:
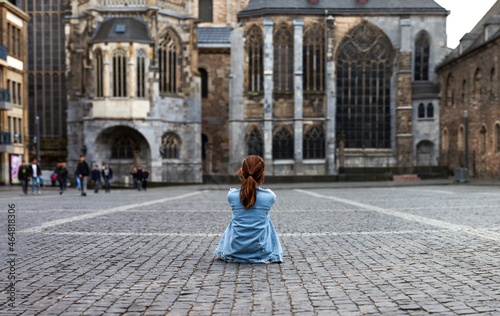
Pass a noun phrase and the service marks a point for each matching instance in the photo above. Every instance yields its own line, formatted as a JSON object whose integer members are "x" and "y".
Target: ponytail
{"x": 251, "y": 175}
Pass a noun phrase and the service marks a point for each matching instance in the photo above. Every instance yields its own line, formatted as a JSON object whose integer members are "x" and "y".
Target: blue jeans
{"x": 35, "y": 181}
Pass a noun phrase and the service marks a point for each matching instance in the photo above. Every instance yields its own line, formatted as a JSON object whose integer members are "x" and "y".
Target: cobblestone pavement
{"x": 348, "y": 251}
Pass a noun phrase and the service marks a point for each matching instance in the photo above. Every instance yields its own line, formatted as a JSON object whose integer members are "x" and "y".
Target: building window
{"x": 14, "y": 40}
{"x": 283, "y": 143}
{"x": 430, "y": 110}
{"x": 170, "y": 146}
{"x": 464, "y": 87}
{"x": 99, "y": 73}
{"x": 204, "y": 82}
{"x": 313, "y": 56}
{"x": 141, "y": 74}
{"x": 255, "y": 44}
{"x": 497, "y": 137}
{"x": 461, "y": 138}
{"x": 445, "y": 140}
{"x": 255, "y": 145}
{"x": 482, "y": 140}
{"x": 450, "y": 97}
{"x": 169, "y": 65}
{"x": 492, "y": 82}
{"x": 124, "y": 148}
{"x": 314, "y": 143}
{"x": 422, "y": 49}
{"x": 421, "y": 110}
{"x": 283, "y": 59}
{"x": 120, "y": 73}
{"x": 477, "y": 87}
{"x": 205, "y": 10}
{"x": 364, "y": 71}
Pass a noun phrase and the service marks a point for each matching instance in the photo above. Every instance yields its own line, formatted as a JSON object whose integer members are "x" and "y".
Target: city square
{"x": 349, "y": 249}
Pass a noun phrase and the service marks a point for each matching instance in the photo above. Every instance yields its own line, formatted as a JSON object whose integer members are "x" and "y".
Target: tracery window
{"x": 99, "y": 92}
{"x": 119, "y": 73}
{"x": 170, "y": 146}
{"x": 421, "y": 63}
{"x": 314, "y": 143}
{"x": 124, "y": 148}
{"x": 255, "y": 144}
{"x": 169, "y": 63}
{"x": 283, "y": 144}
{"x": 313, "y": 56}
{"x": 141, "y": 74}
{"x": 254, "y": 47}
{"x": 283, "y": 59}
{"x": 364, "y": 70}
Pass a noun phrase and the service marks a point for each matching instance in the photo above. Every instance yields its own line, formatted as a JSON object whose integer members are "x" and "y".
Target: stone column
{"x": 298, "y": 95}
{"x": 268, "y": 94}
{"x": 131, "y": 76}
{"x": 404, "y": 135}
{"x": 106, "y": 73}
{"x": 331, "y": 98}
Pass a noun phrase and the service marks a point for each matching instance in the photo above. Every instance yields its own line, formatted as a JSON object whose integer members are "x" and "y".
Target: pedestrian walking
{"x": 96, "y": 178}
{"x": 250, "y": 236}
{"x": 145, "y": 175}
{"x": 62, "y": 176}
{"x": 107, "y": 175}
{"x": 78, "y": 181}
{"x": 23, "y": 174}
{"x": 137, "y": 177}
{"x": 36, "y": 174}
{"x": 83, "y": 172}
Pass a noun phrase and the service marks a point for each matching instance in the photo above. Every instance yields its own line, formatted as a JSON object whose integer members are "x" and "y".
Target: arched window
{"x": 482, "y": 140}
{"x": 461, "y": 138}
{"x": 204, "y": 82}
{"x": 313, "y": 56}
{"x": 430, "y": 110}
{"x": 314, "y": 143}
{"x": 255, "y": 145}
{"x": 170, "y": 146}
{"x": 120, "y": 73}
{"x": 205, "y": 10}
{"x": 99, "y": 74}
{"x": 283, "y": 59}
{"x": 124, "y": 148}
{"x": 141, "y": 74}
{"x": 421, "y": 63}
{"x": 168, "y": 52}
{"x": 254, "y": 47}
{"x": 477, "y": 84}
{"x": 497, "y": 138}
{"x": 364, "y": 71}
{"x": 421, "y": 110}
{"x": 283, "y": 143}
{"x": 445, "y": 141}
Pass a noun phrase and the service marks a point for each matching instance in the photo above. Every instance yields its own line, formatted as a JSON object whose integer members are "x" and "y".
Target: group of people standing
{"x": 96, "y": 175}
{"x": 140, "y": 178}
{"x": 30, "y": 173}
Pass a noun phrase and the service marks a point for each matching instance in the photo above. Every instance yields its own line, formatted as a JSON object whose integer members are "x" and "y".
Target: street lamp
{"x": 466, "y": 142}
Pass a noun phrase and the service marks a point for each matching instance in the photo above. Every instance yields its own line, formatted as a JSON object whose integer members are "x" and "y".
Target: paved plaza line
{"x": 53, "y": 223}
{"x": 484, "y": 233}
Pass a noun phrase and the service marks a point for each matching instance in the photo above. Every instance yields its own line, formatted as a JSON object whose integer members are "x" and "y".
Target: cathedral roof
{"x": 122, "y": 30}
{"x": 214, "y": 37}
{"x": 341, "y": 7}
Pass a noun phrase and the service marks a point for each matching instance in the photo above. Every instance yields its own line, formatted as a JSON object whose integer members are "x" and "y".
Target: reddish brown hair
{"x": 251, "y": 175}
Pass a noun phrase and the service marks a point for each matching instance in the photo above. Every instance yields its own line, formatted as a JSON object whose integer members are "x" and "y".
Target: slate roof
{"x": 214, "y": 37}
{"x": 341, "y": 7}
{"x": 122, "y": 30}
{"x": 477, "y": 37}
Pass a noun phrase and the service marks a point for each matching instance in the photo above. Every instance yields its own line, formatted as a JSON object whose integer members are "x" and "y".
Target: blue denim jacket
{"x": 250, "y": 237}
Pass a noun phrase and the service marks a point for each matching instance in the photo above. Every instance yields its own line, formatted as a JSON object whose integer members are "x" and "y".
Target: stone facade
{"x": 470, "y": 111}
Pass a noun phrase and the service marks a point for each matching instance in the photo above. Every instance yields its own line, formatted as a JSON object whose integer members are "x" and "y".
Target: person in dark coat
{"x": 96, "y": 178}
{"x": 36, "y": 176}
{"x": 83, "y": 172}
{"x": 23, "y": 174}
{"x": 145, "y": 175}
{"x": 107, "y": 175}
{"x": 62, "y": 176}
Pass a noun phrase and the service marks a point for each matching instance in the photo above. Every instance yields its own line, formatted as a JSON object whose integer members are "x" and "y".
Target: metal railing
{"x": 4, "y": 95}
{"x": 5, "y": 138}
{"x": 3, "y": 52}
{"x": 163, "y": 4}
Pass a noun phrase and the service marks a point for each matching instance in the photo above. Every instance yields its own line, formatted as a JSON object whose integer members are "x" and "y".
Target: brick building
{"x": 470, "y": 112}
